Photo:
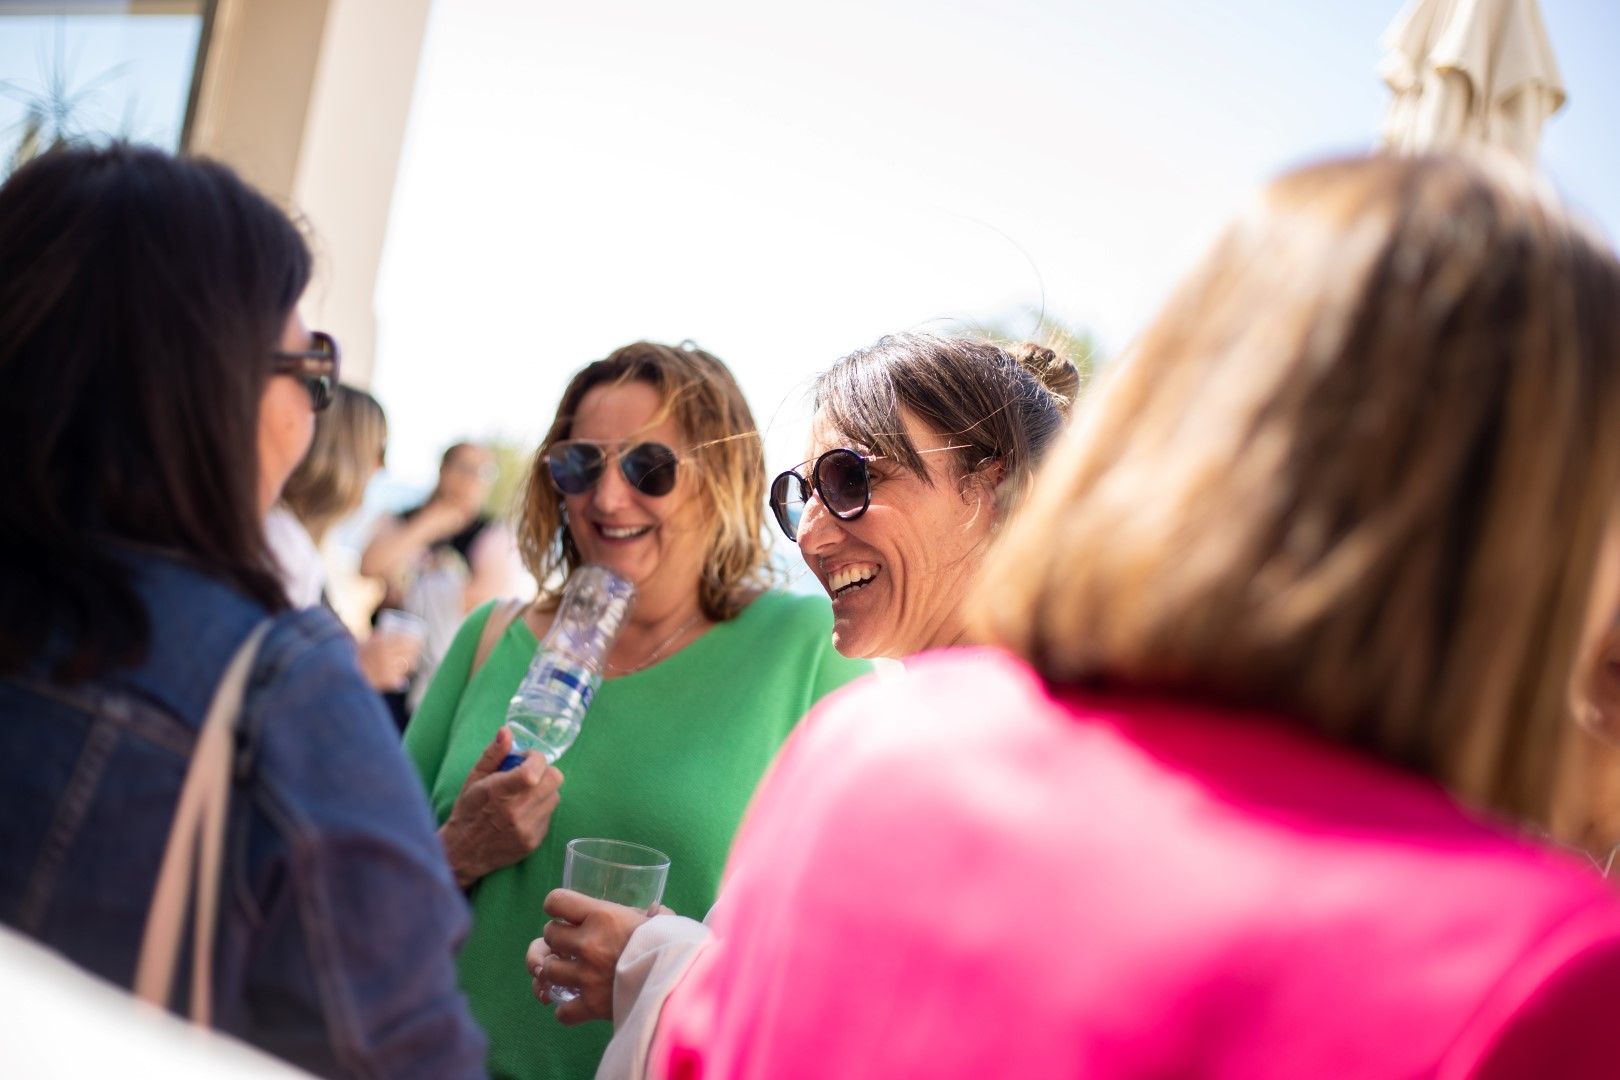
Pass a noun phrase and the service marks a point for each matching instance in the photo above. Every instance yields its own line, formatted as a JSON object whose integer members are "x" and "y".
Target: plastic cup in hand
{"x": 614, "y": 870}
{"x": 403, "y": 623}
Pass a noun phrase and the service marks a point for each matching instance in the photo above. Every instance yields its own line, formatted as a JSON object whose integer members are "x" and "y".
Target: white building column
{"x": 309, "y": 100}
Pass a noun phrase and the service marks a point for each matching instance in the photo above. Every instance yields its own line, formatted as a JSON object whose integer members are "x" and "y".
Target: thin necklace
{"x": 647, "y": 661}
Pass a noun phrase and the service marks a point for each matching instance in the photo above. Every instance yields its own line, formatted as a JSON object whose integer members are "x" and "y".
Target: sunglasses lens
{"x": 841, "y": 479}
{"x": 320, "y": 390}
{"x": 650, "y": 468}
{"x": 574, "y": 467}
{"x": 787, "y": 503}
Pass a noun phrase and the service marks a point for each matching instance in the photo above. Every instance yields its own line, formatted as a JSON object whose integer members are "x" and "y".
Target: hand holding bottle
{"x": 499, "y": 817}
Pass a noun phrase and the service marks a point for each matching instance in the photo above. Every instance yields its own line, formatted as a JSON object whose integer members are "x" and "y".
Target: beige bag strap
{"x": 192, "y": 858}
{"x": 502, "y": 615}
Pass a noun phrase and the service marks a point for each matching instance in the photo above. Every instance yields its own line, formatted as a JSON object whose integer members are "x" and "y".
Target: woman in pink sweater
{"x": 1288, "y": 628}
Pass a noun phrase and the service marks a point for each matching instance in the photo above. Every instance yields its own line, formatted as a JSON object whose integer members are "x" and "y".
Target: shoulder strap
{"x": 191, "y": 859}
{"x": 502, "y": 615}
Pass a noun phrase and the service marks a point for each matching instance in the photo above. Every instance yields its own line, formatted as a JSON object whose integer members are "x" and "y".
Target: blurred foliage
{"x": 57, "y": 110}
{"x": 1076, "y": 343}
{"x": 1065, "y": 339}
{"x": 513, "y": 459}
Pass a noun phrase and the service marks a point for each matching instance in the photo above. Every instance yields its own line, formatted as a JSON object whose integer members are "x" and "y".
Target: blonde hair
{"x": 723, "y": 450}
{"x": 330, "y": 483}
{"x": 1358, "y": 471}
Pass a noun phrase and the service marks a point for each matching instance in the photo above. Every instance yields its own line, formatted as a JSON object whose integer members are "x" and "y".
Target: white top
{"x": 303, "y": 574}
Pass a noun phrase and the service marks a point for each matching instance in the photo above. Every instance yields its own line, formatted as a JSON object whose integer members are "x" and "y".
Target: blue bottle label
{"x": 574, "y": 686}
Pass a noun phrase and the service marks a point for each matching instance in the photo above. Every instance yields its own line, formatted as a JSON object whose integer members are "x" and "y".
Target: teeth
{"x": 851, "y": 575}
{"x": 624, "y": 533}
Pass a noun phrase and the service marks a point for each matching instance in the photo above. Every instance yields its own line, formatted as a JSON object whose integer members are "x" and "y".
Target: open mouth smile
{"x": 850, "y": 579}
{"x": 621, "y": 532}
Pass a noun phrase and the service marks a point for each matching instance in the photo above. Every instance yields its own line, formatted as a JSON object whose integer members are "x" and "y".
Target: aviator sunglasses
{"x": 316, "y": 368}
{"x": 839, "y": 477}
{"x": 576, "y": 466}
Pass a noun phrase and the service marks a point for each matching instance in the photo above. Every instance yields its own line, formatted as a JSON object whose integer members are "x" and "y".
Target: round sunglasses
{"x": 839, "y": 476}
{"x": 841, "y": 479}
{"x": 576, "y": 466}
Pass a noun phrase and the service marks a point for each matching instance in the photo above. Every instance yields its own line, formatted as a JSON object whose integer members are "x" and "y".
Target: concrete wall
{"x": 309, "y": 100}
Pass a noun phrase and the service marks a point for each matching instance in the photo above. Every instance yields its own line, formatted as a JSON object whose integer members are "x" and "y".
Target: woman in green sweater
{"x": 651, "y": 468}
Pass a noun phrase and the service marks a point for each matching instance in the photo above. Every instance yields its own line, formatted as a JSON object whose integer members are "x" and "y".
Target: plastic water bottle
{"x": 545, "y": 714}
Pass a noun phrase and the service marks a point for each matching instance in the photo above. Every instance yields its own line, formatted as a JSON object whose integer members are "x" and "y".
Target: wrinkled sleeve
{"x": 662, "y": 950}
{"x": 352, "y": 969}
{"x": 427, "y": 737}
{"x": 654, "y": 961}
{"x": 691, "y": 1036}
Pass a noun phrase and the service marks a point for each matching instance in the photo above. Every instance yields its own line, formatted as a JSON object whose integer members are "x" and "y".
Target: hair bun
{"x": 1057, "y": 374}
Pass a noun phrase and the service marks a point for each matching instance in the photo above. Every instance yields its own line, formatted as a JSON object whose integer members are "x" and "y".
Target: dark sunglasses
{"x": 316, "y": 368}
{"x": 841, "y": 479}
{"x": 576, "y": 466}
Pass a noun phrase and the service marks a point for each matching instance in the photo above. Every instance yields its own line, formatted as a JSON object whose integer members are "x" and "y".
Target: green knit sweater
{"x": 667, "y": 757}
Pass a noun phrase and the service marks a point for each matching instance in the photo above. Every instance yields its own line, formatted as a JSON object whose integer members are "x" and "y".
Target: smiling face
{"x": 657, "y": 542}
{"x": 897, "y": 573}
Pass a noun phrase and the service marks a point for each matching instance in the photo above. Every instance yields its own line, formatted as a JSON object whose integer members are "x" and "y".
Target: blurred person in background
{"x": 443, "y": 558}
{"x": 1288, "y": 627}
{"x": 921, "y": 449}
{"x": 351, "y": 439}
{"x": 157, "y": 388}
{"x": 652, "y": 468}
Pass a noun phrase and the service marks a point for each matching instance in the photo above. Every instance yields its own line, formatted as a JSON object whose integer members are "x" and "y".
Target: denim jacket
{"x": 339, "y": 919}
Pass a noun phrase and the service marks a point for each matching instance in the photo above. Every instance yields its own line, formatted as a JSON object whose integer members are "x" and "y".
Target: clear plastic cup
{"x": 395, "y": 621}
{"x": 616, "y": 870}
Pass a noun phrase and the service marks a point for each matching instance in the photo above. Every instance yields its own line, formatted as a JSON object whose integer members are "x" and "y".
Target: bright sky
{"x": 785, "y": 187}
{"x": 128, "y": 76}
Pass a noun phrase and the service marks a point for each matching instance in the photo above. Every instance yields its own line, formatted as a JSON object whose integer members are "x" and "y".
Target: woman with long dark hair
{"x": 157, "y": 386}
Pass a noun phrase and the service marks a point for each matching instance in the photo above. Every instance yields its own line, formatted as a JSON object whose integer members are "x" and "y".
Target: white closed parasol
{"x": 1469, "y": 73}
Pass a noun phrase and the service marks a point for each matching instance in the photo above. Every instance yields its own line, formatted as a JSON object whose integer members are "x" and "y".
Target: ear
{"x": 984, "y": 478}
{"x": 1598, "y": 682}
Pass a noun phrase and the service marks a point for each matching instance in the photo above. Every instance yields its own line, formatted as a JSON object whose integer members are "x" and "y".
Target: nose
{"x": 612, "y": 492}
{"x": 818, "y": 529}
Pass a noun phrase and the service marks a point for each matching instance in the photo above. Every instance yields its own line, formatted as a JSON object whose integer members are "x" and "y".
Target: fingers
{"x": 572, "y": 906}
{"x": 535, "y": 960}
{"x": 578, "y": 1011}
{"x": 532, "y": 782}
{"x": 550, "y": 962}
{"x": 590, "y": 1004}
{"x": 551, "y": 780}
{"x": 563, "y": 938}
{"x": 490, "y": 760}
{"x": 564, "y": 971}
{"x": 547, "y": 968}
{"x": 536, "y": 955}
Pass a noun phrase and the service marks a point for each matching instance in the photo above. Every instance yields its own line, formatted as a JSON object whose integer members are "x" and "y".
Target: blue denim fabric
{"x": 339, "y": 918}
